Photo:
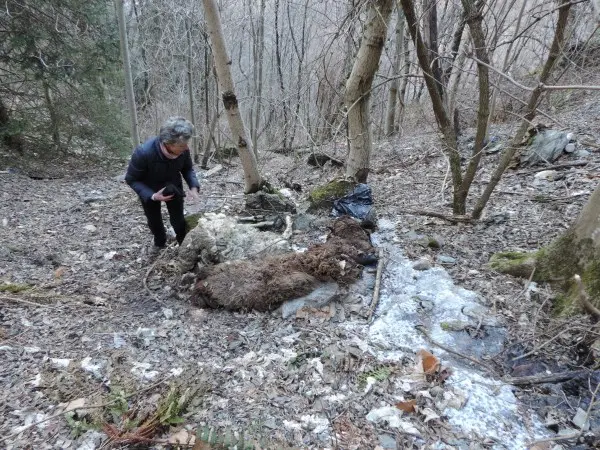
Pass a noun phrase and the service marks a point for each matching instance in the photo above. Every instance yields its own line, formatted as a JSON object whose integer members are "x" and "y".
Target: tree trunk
{"x": 474, "y": 18}
{"x": 259, "y": 50}
{"x": 441, "y": 115}
{"x": 358, "y": 89}
{"x": 52, "y": 113}
{"x": 135, "y": 136}
{"x": 576, "y": 252}
{"x": 284, "y": 144}
{"x": 553, "y": 55}
{"x": 431, "y": 41}
{"x": 390, "y": 117}
{"x": 190, "y": 83}
{"x": 252, "y": 178}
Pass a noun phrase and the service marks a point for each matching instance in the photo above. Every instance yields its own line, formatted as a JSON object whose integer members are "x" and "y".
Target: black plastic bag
{"x": 171, "y": 189}
{"x": 358, "y": 204}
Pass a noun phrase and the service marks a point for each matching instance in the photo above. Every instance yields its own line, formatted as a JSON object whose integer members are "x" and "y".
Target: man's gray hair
{"x": 176, "y": 129}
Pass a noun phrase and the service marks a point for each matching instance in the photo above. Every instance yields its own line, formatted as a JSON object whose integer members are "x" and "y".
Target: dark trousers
{"x": 155, "y": 222}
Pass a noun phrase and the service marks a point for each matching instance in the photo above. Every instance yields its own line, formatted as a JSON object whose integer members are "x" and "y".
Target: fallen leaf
{"x": 183, "y": 436}
{"x": 59, "y": 272}
{"x": 407, "y": 406}
{"x": 429, "y": 414}
{"x": 429, "y": 362}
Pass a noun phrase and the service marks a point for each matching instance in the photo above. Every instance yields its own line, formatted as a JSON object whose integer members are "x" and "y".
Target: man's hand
{"x": 193, "y": 194}
{"x": 159, "y": 197}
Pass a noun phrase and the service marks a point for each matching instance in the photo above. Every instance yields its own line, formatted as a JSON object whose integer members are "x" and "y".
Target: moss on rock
{"x": 191, "y": 221}
{"x": 14, "y": 288}
{"x": 518, "y": 264}
{"x": 322, "y": 197}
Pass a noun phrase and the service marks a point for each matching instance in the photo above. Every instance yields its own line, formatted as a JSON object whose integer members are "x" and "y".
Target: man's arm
{"x": 188, "y": 172}
{"x": 136, "y": 171}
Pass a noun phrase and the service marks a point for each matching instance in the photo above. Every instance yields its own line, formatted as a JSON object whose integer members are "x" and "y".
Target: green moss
{"x": 191, "y": 221}
{"x": 13, "y": 288}
{"x": 433, "y": 243}
{"x": 323, "y": 196}
{"x": 518, "y": 264}
{"x": 591, "y": 279}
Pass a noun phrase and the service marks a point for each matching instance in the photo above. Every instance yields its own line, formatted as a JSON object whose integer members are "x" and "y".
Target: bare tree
{"x": 135, "y": 136}
{"x": 531, "y": 108}
{"x": 358, "y": 89}
{"x": 390, "y": 117}
{"x": 252, "y": 177}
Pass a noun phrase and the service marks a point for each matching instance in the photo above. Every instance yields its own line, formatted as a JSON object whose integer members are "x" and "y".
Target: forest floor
{"x": 86, "y": 329}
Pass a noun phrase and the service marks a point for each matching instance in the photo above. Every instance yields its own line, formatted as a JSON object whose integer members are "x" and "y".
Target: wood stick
{"x": 375, "y": 299}
{"x": 541, "y": 379}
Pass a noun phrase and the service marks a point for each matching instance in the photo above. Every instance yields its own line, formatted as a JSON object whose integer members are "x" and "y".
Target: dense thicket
{"x": 60, "y": 76}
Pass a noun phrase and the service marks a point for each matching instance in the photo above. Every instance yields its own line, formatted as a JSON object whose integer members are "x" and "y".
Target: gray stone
{"x": 581, "y": 153}
{"x": 387, "y": 441}
{"x": 422, "y": 264}
{"x": 321, "y": 296}
{"x": 304, "y": 222}
{"x": 446, "y": 260}
{"x": 547, "y": 146}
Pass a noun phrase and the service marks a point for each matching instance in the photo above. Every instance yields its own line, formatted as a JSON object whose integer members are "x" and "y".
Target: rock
{"x": 422, "y": 264}
{"x": 387, "y": 441}
{"x": 548, "y": 175}
{"x": 546, "y": 146}
{"x": 261, "y": 202}
{"x": 303, "y": 222}
{"x": 581, "y": 153}
{"x": 446, "y": 260}
{"x": 581, "y": 420}
{"x": 321, "y": 296}
{"x": 322, "y": 197}
{"x": 91, "y": 228}
{"x": 387, "y": 414}
{"x": 91, "y": 440}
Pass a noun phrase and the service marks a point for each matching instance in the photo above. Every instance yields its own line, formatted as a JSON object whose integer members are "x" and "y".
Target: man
{"x": 160, "y": 163}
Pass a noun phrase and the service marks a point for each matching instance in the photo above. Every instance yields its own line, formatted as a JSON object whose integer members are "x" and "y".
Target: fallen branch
{"x": 376, "y": 290}
{"x": 452, "y": 219}
{"x": 541, "y": 379}
{"x": 553, "y": 167}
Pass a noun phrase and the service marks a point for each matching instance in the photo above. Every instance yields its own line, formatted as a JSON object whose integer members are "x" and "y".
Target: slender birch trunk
{"x": 190, "y": 83}
{"x": 135, "y": 135}
{"x": 390, "y": 117}
{"x": 358, "y": 89}
{"x": 252, "y": 178}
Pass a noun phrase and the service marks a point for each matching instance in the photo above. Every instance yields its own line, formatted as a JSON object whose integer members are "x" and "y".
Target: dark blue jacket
{"x": 150, "y": 170}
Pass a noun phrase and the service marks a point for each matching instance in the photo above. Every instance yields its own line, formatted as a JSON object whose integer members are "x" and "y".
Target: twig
{"x": 539, "y": 347}
{"x": 454, "y": 352}
{"x": 541, "y": 379}
{"x": 452, "y": 219}
{"x": 553, "y": 166}
{"x": 377, "y": 288}
{"x": 18, "y": 300}
{"x": 565, "y": 437}
{"x": 101, "y": 405}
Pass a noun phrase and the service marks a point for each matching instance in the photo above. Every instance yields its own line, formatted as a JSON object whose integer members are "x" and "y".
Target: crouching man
{"x": 155, "y": 172}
